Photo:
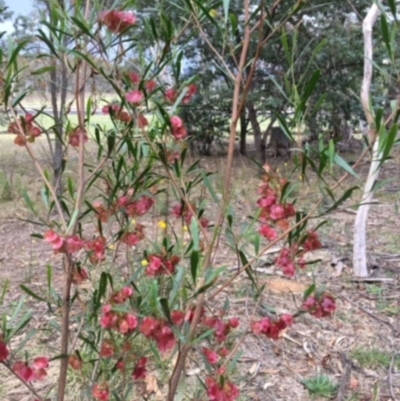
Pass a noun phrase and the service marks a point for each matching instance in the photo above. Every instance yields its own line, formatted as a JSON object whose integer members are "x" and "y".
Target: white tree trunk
{"x": 360, "y": 227}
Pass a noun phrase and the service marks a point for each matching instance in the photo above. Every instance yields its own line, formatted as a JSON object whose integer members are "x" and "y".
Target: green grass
{"x": 320, "y": 386}
{"x": 373, "y": 358}
{"x": 375, "y": 290}
{"x": 6, "y": 193}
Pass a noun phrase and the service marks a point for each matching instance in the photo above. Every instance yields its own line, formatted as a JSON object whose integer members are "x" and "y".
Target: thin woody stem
{"x": 66, "y": 305}
{"x": 182, "y": 356}
{"x": 68, "y": 263}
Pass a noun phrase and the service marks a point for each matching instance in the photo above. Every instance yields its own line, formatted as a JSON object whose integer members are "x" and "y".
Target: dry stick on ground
{"x": 372, "y": 280}
{"x": 395, "y": 332}
{"x": 344, "y": 379}
{"x": 390, "y": 378}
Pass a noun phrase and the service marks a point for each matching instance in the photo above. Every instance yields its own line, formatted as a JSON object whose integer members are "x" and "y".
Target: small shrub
{"x": 320, "y": 386}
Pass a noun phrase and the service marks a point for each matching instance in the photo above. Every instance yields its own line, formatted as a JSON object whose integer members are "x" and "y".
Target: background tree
{"x": 5, "y": 13}
{"x": 311, "y": 35}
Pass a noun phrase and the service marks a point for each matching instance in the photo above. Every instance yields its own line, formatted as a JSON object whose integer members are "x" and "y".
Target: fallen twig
{"x": 394, "y": 331}
{"x": 390, "y": 378}
{"x": 345, "y": 377}
{"x": 372, "y": 280}
{"x": 286, "y": 337}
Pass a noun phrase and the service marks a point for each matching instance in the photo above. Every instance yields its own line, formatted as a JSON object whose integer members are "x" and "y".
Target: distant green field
{"x": 102, "y": 120}
{"x": 37, "y": 102}
{"x": 46, "y": 122}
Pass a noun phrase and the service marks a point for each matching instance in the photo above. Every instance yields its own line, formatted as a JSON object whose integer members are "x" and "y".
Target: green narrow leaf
{"x": 4, "y": 290}
{"x": 43, "y": 70}
{"x": 285, "y": 45}
{"x": 344, "y": 165}
{"x": 210, "y": 188}
{"x": 194, "y": 231}
{"x": 102, "y": 287}
{"x": 18, "y": 99}
{"x": 234, "y": 24}
{"x": 392, "y": 5}
{"x": 177, "y": 285}
{"x": 22, "y": 324}
{"x": 82, "y": 26}
{"x": 116, "y": 396}
{"x": 110, "y": 144}
{"x": 194, "y": 265}
{"x": 73, "y": 220}
{"x": 154, "y": 29}
{"x": 45, "y": 196}
{"x": 378, "y": 118}
{"x": 165, "y": 309}
{"x": 204, "y": 288}
{"x": 284, "y": 126}
{"x": 15, "y": 52}
{"x": 249, "y": 270}
{"x": 389, "y": 142}
{"x": 87, "y": 59}
{"x": 226, "y": 9}
{"x": 344, "y": 197}
{"x": 256, "y": 244}
{"x": 311, "y": 85}
{"x": 17, "y": 310}
{"x": 31, "y": 293}
{"x": 28, "y": 201}
{"x": 206, "y": 13}
{"x": 22, "y": 344}
{"x": 49, "y": 277}
{"x": 386, "y": 35}
{"x": 178, "y": 65}
{"x": 331, "y": 152}
{"x": 71, "y": 189}
{"x": 89, "y": 107}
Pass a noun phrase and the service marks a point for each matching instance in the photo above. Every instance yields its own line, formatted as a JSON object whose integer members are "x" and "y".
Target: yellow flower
{"x": 162, "y": 224}
{"x": 145, "y": 263}
{"x": 213, "y": 13}
{"x": 111, "y": 247}
{"x": 184, "y": 243}
{"x": 185, "y": 228}
{"x": 133, "y": 222}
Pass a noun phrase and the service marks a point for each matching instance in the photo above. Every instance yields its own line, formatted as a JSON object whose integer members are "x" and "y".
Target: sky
{"x": 18, "y": 7}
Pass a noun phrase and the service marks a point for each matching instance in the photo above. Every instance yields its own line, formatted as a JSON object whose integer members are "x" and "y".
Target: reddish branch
{"x": 183, "y": 353}
{"x": 68, "y": 264}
